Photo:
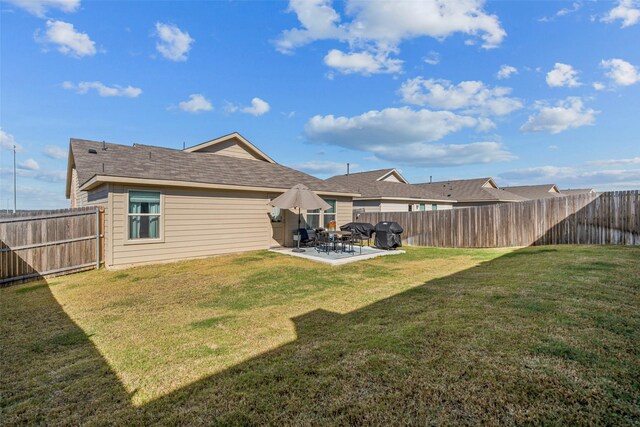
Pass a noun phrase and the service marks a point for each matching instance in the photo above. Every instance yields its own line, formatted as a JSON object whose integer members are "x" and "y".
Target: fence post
{"x": 97, "y": 238}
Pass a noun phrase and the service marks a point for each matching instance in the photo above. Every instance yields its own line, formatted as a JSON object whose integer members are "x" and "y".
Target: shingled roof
{"x": 577, "y": 191}
{"x": 170, "y": 165}
{"x": 369, "y": 186}
{"x": 471, "y": 190}
{"x": 534, "y": 192}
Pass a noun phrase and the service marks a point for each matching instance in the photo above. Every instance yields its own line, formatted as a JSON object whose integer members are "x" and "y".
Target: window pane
{"x": 422, "y": 206}
{"x": 144, "y": 227}
{"x": 434, "y": 207}
{"x": 144, "y": 202}
{"x": 313, "y": 221}
{"x": 328, "y": 218}
{"x": 332, "y": 209}
{"x": 313, "y": 211}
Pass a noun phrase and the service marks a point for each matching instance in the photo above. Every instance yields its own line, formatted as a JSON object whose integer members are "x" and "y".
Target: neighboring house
{"x": 535, "y": 192}
{"x": 577, "y": 191}
{"x": 471, "y": 192}
{"x": 163, "y": 204}
{"x": 386, "y": 190}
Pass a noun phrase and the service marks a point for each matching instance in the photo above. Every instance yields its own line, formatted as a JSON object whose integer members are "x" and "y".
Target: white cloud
{"x": 389, "y": 22}
{"x": 506, "y": 71}
{"x": 627, "y": 11}
{"x": 258, "y": 107}
{"x": 471, "y": 96}
{"x": 572, "y": 177}
{"x": 598, "y": 86}
{"x": 403, "y": 135}
{"x": 433, "y": 58}
{"x": 566, "y": 114}
{"x": 29, "y": 164}
{"x": 323, "y": 167}
{"x": 37, "y": 174}
{"x": 69, "y": 41}
{"x": 575, "y": 6}
{"x": 611, "y": 162}
{"x": 173, "y": 43}
{"x": 621, "y": 72}
{"x": 40, "y": 7}
{"x": 102, "y": 89}
{"x": 435, "y": 155}
{"x": 55, "y": 152}
{"x": 365, "y": 63}
{"x": 7, "y": 141}
{"x": 196, "y": 103}
{"x": 563, "y": 75}
{"x": 376, "y": 28}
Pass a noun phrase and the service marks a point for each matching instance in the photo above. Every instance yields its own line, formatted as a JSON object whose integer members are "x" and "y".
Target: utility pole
{"x": 14, "y": 179}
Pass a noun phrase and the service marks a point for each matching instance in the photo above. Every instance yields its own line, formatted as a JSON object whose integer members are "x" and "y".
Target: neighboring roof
{"x": 534, "y": 192}
{"x": 471, "y": 190}
{"x": 370, "y": 186}
{"x": 119, "y": 163}
{"x": 236, "y": 137}
{"x": 577, "y": 191}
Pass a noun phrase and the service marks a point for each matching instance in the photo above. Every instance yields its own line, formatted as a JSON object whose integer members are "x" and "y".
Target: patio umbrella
{"x": 299, "y": 197}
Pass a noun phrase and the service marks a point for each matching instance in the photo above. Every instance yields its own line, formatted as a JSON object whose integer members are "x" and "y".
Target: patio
{"x": 338, "y": 258}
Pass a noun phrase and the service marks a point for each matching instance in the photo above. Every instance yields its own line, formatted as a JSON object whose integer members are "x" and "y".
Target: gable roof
{"x": 371, "y": 185}
{"x": 235, "y": 137}
{"x": 533, "y": 192}
{"x": 471, "y": 190}
{"x": 168, "y": 167}
{"x": 577, "y": 191}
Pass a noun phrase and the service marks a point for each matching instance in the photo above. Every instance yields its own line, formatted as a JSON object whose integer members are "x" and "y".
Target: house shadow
{"x": 418, "y": 357}
{"x": 609, "y": 219}
{"x": 14, "y": 268}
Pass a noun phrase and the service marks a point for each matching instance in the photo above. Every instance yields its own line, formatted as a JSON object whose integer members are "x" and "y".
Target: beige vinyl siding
{"x": 344, "y": 215}
{"x": 391, "y": 178}
{"x": 231, "y": 149}
{"x": 195, "y": 223}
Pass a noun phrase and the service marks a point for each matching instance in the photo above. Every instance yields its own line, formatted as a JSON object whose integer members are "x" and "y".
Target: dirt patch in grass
{"x": 543, "y": 335}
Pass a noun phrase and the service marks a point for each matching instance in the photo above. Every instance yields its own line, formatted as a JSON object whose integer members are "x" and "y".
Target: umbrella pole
{"x": 298, "y": 249}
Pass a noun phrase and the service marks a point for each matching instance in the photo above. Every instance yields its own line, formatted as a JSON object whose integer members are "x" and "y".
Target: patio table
{"x": 329, "y": 234}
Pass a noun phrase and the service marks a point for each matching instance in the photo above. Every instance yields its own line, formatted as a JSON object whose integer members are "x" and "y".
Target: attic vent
{"x": 92, "y": 151}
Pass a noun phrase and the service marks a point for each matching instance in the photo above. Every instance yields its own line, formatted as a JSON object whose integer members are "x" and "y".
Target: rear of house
{"x": 471, "y": 192}
{"x": 163, "y": 204}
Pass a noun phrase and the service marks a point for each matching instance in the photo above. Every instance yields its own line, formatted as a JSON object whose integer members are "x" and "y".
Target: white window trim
{"x": 321, "y": 214}
{"x": 160, "y": 239}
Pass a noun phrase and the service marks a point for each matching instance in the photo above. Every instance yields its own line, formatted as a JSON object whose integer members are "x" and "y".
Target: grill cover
{"x": 388, "y": 235}
{"x": 362, "y": 228}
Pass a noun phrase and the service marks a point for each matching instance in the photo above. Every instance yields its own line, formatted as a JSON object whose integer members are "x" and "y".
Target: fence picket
{"x": 604, "y": 218}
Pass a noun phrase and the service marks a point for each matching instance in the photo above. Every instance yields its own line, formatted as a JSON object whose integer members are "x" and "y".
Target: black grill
{"x": 388, "y": 235}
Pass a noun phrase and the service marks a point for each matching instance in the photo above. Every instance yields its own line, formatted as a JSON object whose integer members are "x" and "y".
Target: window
{"x": 316, "y": 217}
{"x": 276, "y": 214}
{"x": 410, "y": 208}
{"x": 434, "y": 207}
{"x": 423, "y": 207}
{"x": 144, "y": 215}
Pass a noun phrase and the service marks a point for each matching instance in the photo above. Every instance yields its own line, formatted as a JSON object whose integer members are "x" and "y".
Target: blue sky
{"x": 523, "y": 91}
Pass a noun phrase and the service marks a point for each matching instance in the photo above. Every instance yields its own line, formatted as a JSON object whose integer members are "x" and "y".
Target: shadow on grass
{"x": 474, "y": 347}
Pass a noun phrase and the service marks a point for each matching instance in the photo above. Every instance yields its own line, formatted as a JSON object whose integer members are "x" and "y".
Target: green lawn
{"x": 545, "y": 335}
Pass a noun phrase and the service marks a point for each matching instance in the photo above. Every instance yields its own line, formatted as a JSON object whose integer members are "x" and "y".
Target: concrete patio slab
{"x": 337, "y": 258}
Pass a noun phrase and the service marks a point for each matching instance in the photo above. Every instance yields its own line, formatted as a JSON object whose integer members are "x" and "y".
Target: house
{"x": 386, "y": 190}
{"x": 471, "y": 192}
{"x": 165, "y": 204}
{"x": 535, "y": 192}
{"x": 577, "y": 191}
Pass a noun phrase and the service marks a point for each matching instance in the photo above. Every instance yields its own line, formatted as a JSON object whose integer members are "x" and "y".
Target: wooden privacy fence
{"x": 39, "y": 243}
{"x": 605, "y": 218}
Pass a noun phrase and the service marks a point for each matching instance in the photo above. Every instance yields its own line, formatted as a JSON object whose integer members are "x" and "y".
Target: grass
{"x": 543, "y": 335}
